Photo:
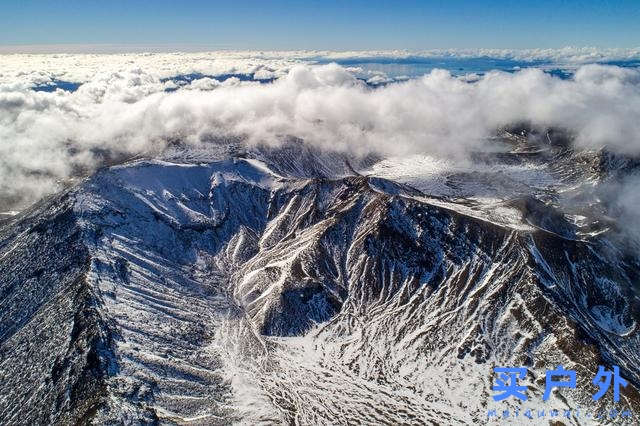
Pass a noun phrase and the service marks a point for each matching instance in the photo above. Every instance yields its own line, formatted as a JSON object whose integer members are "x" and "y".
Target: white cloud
{"x": 205, "y": 83}
{"x": 33, "y": 69}
{"x": 123, "y": 108}
{"x": 564, "y": 56}
{"x": 265, "y": 74}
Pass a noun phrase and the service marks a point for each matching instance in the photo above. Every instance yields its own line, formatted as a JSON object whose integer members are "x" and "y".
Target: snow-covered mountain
{"x": 227, "y": 284}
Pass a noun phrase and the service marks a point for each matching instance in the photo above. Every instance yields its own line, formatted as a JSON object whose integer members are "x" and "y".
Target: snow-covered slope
{"x": 286, "y": 285}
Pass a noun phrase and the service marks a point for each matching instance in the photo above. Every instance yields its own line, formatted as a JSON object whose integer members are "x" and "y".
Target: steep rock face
{"x": 55, "y": 345}
{"x": 421, "y": 292}
{"x": 242, "y": 289}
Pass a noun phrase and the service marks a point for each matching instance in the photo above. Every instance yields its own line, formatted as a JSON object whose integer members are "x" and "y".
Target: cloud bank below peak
{"x": 124, "y": 107}
{"x": 32, "y": 69}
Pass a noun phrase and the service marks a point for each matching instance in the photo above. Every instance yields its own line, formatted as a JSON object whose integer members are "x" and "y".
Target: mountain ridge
{"x": 245, "y": 286}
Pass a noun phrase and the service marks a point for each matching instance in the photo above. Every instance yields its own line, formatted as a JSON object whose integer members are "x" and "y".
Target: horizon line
{"x": 124, "y": 48}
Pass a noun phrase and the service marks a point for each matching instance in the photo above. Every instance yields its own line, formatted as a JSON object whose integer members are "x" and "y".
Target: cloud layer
{"x": 123, "y": 107}
{"x": 31, "y": 69}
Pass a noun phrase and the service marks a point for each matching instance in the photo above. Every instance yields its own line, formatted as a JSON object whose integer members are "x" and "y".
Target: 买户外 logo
{"x": 508, "y": 385}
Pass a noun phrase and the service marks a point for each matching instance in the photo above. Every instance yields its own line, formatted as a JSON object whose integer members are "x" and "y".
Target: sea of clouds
{"x": 129, "y": 104}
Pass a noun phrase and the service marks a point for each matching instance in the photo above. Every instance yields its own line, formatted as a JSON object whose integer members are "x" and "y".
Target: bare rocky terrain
{"x": 291, "y": 286}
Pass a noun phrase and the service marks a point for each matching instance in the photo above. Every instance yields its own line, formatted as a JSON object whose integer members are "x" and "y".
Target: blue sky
{"x": 336, "y": 25}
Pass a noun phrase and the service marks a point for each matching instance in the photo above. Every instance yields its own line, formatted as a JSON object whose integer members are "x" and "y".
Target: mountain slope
{"x": 291, "y": 286}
